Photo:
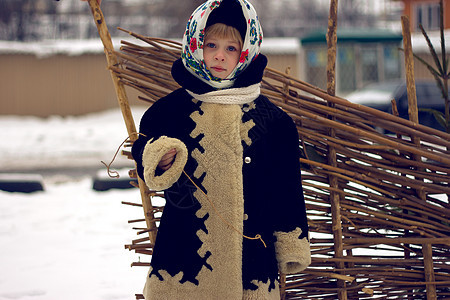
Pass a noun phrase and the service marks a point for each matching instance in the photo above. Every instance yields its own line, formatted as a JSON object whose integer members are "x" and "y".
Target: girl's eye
{"x": 210, "y": 45}
{"x": 232, "y": 48}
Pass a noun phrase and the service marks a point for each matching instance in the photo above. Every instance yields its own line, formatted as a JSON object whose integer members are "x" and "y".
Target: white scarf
{"x": 230, "y": 96}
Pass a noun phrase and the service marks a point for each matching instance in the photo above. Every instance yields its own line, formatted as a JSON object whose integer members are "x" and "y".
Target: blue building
{"x": 363, "y": 56}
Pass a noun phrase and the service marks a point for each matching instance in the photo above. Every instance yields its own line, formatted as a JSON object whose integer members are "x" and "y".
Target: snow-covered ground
{"x": 62, "y": 142}
{"x": 66, "y": 242}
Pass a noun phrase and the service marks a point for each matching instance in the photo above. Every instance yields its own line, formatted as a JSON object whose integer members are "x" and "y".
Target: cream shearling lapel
{"x": 221, "y": 165}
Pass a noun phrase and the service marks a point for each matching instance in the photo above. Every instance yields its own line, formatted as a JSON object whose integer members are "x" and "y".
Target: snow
{"x": 66, "y": 242}
{"x": 280, "y": 45}
{"x": 419, "y": 43}
{"x": 47, "y": 48}
{"x": 21, "y": 177}
{"x": 59, "y": 142}
{"x": 370, "y": 97}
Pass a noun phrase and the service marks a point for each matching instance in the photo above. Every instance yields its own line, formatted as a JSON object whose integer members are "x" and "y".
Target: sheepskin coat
{"x": 236, "y": 175}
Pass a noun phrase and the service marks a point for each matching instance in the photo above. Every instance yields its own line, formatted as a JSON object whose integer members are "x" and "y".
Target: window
{"x": 316, "y": 62}
{"x": 427, "y": 15}
{"x": 391, "y": 63}
{"x": 346, "y": 68}
{"x": 369, "y": 64}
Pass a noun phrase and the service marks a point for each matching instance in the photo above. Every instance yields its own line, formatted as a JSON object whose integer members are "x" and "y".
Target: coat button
{"x": 247, "y": 160}
{"x": 246, "y": 109}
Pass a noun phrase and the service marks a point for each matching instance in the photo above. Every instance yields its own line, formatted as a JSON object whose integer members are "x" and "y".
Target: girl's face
{"x": 221, "y": 55}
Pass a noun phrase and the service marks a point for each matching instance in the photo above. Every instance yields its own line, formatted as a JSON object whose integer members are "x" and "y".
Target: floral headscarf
{"x": 192, "y": 55}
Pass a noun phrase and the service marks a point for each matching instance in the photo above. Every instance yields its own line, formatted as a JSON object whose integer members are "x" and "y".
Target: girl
{"x": 228, "y": 162}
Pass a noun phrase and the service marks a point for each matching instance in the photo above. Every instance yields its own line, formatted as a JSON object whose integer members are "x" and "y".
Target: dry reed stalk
{"x": 140, "y": 240}
{"x": 395, "y": 144}
{"x": 131, "y": 204}
{"x": 140, "y": 264}
{"x": 136, "y": 221}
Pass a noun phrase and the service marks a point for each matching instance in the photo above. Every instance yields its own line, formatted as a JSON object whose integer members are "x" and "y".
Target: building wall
{"x": 60, "y": 84}
{"x": 420, "y": 70}
{"x": 72, "y": 85}
{"x": 409, "y": 11}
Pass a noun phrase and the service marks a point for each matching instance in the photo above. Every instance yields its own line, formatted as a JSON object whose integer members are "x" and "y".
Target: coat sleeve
{"x": 290, "y": 226}
{"x": 153, "y": 142}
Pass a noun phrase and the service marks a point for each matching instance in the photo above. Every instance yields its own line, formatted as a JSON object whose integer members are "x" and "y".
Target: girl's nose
{"x": 219, "y": 56}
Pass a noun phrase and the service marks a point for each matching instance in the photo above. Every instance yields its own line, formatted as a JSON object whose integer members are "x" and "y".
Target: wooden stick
{"x": 445, "y": 241}
{"x": 112, "y": 61}
{"x": 332, "y": 158}
{"x": 121, "y": 95}
{"x": 414, "y": 117}
{"x": 409, "y": 66}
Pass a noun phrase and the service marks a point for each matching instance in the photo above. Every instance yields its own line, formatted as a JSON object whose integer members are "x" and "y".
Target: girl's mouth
{"x": 218, "y": 69}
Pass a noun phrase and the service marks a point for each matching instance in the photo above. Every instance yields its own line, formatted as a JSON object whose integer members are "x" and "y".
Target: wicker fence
{"x": 390, "y": 235}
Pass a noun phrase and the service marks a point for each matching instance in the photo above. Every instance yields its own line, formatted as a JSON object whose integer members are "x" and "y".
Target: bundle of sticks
{"x": 390, "y": 233}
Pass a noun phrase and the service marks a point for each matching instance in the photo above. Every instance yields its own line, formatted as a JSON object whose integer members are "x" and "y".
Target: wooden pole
{"x": 122, "y": 98}
{"x": 332, "y": 157}
{"x": 409, "y": 66}
{"x": 331, "y": 51}
{"x": 427, "y": 249}
{"x": 113, "y": 61}
{"x": 282, "y": 286}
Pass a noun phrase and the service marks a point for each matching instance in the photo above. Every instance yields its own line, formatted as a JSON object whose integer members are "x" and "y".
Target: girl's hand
{"x": 166, "y": 161}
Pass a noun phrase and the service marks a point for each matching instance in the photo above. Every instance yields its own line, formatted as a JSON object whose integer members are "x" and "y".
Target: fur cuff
{"x": 153, "y": 152}
{"x": 293, "y": 254}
